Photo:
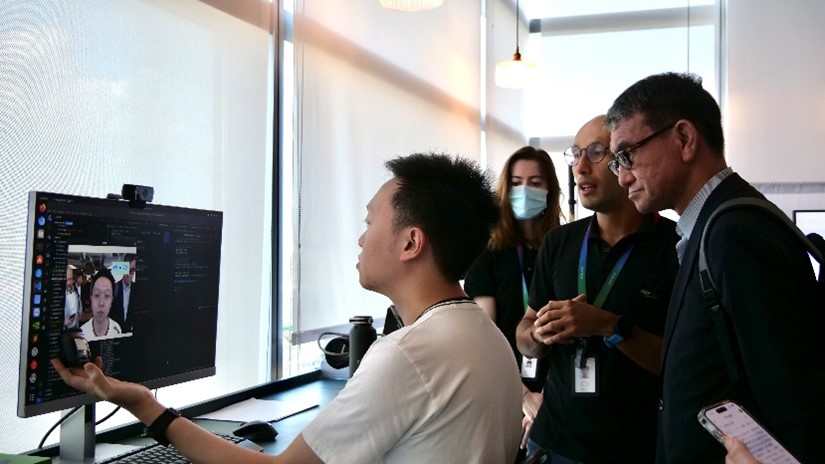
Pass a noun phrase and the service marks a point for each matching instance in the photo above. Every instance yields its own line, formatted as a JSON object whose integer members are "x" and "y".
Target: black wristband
{"x": 621, "y": 332}
{"x": 157, "y": 429}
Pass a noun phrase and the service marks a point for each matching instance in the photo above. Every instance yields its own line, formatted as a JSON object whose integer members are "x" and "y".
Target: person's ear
{"x": 414, "y": 244}
{"x": 687, "y": 137}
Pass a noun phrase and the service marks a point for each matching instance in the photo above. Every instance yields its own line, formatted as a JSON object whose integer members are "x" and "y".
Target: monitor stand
{"x": 77, "y": 436}
{"x": 77, "y": 440}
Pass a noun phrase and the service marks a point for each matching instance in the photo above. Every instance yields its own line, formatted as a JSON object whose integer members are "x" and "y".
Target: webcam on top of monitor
{"x": 136, "y": 195}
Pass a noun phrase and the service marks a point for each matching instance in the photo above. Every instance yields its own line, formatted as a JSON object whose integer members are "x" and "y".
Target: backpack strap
{"x": 709, "y": 291}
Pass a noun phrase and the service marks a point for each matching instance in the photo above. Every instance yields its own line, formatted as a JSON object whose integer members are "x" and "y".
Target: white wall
{"x": 774, "y": 106}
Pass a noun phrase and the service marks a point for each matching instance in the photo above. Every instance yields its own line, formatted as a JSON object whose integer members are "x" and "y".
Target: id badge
{"x": 529, "y": 367}
{"x": 584, "y": 375}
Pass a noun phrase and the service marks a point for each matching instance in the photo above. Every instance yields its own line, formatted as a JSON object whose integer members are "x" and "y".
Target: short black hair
{"x": 665, "y": 98}
{"x": 452, "y": 200}
{"x": 105, "y": 274}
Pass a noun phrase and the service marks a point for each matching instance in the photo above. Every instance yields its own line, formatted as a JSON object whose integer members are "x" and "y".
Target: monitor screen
{"x": 141, "y": 284}
{"x": 811, "y": 222}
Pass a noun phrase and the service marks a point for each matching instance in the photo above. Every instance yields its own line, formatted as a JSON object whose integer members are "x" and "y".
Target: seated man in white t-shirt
{"x": 444, "y": 388}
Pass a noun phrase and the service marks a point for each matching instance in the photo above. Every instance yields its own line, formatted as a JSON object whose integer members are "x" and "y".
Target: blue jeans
{"x": 532, "y": 447}
{"x": 550, "y": 457}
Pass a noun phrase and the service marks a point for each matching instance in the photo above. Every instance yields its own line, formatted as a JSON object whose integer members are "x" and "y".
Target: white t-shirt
{"x": 72, "y": 306}
{"x": 113, "y": 331}
{"x": 444, "y": 389}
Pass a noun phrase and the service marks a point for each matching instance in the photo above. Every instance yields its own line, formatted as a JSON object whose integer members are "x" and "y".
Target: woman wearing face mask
{"x": 529, "y": 196}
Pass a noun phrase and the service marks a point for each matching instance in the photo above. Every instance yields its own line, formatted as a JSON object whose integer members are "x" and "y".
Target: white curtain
{"x": 174, "y": 95}
{"x": 372, "y": 84}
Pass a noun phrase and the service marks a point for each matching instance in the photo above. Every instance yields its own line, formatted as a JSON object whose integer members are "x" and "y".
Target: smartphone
{"x": 729, "y": 419}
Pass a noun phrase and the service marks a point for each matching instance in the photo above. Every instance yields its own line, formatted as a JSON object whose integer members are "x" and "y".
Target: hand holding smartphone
{"x": 729, "y": 419}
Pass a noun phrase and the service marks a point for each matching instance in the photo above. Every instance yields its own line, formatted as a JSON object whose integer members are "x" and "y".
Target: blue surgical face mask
{"x": 527, "y": 202}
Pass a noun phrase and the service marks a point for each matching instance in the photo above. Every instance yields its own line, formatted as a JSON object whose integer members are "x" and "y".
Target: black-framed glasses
{"x": 623, "y": 156}
{"x": 595, "y": 152}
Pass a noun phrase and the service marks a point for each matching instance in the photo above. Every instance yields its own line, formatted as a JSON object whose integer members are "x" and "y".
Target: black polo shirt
{"x": 618, "y": 424}
{"x": 498, "y": 273}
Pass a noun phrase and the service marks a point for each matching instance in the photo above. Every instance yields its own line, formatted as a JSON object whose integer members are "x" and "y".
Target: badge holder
{"x": 585, "y": 373}
{"x": 529, "y": 368}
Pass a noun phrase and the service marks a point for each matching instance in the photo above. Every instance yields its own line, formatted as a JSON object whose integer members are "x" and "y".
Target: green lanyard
{"x": 611, "y": 278}
{"x": 524, "y": 293}
{"x": 605, "y": 290}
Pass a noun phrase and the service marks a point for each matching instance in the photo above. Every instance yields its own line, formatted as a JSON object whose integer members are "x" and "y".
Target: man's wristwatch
{"x": 621, "y": 332}
{"x": 157, "y": 429}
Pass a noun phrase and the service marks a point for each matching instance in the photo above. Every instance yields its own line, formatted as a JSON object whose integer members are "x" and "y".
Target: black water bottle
{"x": 361, "y": 337}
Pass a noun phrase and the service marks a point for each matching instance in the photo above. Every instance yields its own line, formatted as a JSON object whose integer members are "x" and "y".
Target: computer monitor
{"x": 157, "y": 325}
{"x": 811, "y": 221}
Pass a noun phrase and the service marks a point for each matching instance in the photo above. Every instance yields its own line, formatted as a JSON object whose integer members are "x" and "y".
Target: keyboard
{"x": 158, "y": 454}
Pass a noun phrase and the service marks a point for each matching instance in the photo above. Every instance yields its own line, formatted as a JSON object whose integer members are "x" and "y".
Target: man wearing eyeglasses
{"x": 667, "y": 135}
{"x": 596, "y": 313}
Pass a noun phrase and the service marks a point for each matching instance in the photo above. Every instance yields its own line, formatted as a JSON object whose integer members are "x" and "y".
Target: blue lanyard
{"x": 524, "y": 293}
{"x": 611, "y": 278}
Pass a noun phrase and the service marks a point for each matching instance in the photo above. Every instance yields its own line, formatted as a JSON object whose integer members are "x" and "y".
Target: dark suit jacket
{"x": 85, "y": 296}
{"x": 117, "y": 307}
{"x": 769, "y": 292}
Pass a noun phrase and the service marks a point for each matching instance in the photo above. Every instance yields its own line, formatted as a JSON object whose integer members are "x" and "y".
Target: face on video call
{"x": 127, "y": 278}
{"x": 69, "y": 279}
{"x": 101, "y": 299}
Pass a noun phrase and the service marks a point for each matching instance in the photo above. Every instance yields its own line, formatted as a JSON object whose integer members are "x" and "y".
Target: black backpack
{"x": 813, "y": 243}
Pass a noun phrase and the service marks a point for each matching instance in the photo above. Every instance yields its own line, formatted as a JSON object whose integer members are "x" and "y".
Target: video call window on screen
{"x": 101, "y": 308}
{"x": 141, "y": 284}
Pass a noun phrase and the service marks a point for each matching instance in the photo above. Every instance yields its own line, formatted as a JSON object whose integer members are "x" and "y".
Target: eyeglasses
{"x": 595, "y": 153}
{"x": 623, "y": 156}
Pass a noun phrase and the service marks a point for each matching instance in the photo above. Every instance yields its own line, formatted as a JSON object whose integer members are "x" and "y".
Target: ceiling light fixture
{"x": 411, "y": 5}
{"x": 514, "y": 74}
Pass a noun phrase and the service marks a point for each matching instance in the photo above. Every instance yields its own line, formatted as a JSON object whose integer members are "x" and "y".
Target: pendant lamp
{"x": 410, "y": 5}
{"x": 514, "y": 74}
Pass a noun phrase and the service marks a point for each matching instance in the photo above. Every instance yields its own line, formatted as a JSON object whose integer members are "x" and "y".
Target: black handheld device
{"x": 74, "y": 349}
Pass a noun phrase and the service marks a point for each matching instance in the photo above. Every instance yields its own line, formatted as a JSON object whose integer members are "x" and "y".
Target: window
{"x": 369, "y": 86}
{"x": 167, "y": 94}
{"x": 589, "y": 52}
